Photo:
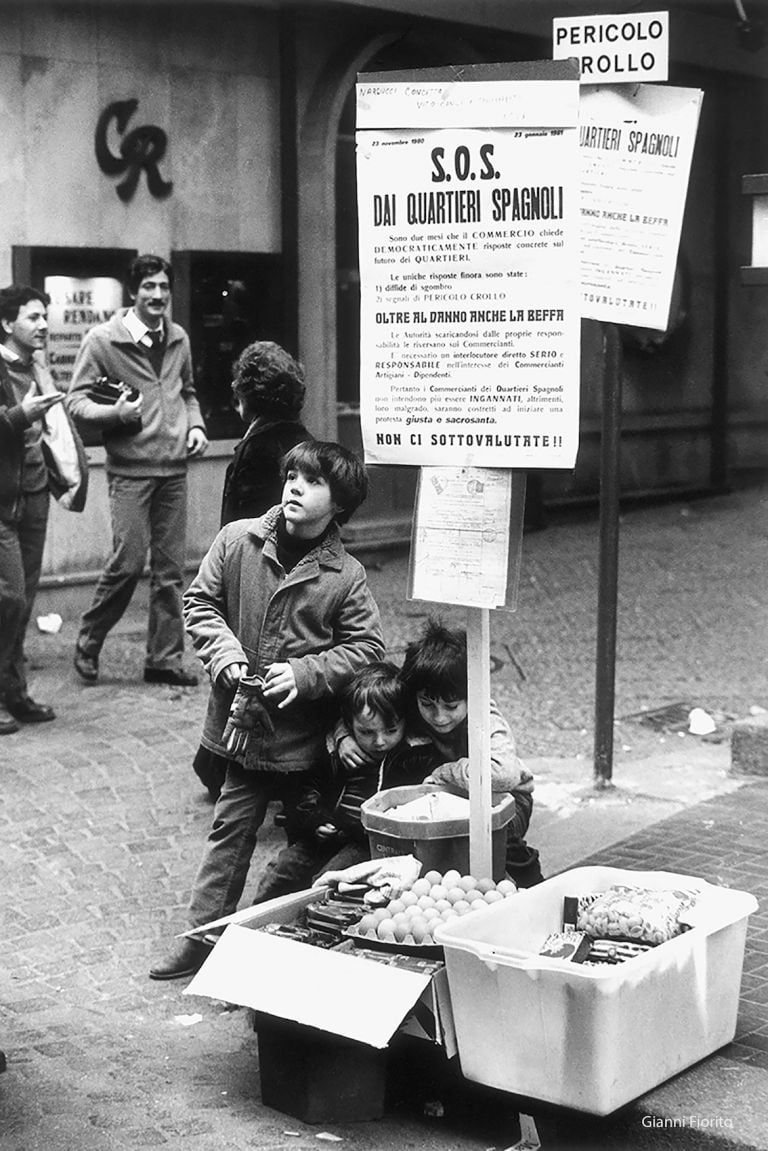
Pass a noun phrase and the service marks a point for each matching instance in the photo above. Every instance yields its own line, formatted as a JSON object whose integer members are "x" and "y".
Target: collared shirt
{"x": 139, "y": 330}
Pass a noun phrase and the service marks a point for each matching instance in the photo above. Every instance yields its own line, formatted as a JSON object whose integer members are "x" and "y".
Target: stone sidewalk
{"x": 102, "y": 823}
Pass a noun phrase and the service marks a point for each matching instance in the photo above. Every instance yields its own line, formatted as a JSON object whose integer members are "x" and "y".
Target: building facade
{"x": 222, "y": 136}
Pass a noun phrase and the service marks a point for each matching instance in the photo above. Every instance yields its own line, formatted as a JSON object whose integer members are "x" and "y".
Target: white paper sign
{"x": 636, "y": 146}
{"x": 469, "y": 309}
{"x": 461, "y": 540}
{"x": 76, "y": 305}
{"x": 614, "y": 49}
{"x": 477, "y": 104}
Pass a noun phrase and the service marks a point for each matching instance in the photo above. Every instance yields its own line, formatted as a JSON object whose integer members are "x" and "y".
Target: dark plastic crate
{"x": 317, "y": 1077}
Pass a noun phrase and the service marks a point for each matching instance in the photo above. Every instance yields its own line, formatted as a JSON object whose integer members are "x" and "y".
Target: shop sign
{"x": 141, "y": 150}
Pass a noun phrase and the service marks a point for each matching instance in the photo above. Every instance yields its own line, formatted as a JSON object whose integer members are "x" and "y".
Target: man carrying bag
{"x": 40, "y": 454}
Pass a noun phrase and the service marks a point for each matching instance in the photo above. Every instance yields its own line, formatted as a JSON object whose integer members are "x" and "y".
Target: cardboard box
{"x": 592, "y": 1038}
{"x": 335, "y": 992}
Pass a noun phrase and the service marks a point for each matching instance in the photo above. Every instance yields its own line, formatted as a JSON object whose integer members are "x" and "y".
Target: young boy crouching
{"x": 434, "y": 675}
{"x": 325, "y": 829}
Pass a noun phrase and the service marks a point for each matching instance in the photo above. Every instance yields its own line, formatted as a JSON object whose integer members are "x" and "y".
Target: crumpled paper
{"x": 700, "y": 722}
{"x": 51, "y": 623}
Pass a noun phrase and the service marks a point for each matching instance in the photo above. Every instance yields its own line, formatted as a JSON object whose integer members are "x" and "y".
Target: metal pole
{"x": 479, "y": 710}
{"x": 608, "y": 564}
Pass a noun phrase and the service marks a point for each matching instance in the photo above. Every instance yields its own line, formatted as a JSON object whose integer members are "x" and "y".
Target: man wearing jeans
{"x": 148, "y": 439}
{"x": 27, "y": 394}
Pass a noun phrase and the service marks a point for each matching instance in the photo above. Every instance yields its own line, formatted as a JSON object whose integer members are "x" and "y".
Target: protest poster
{"x": 469, "y": 253}
{"x": 636, "y": 144}
{"x": 77, "y": 304}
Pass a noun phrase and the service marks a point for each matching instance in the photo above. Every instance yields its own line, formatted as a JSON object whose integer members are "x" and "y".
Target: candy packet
{"x": 635, "y": 913}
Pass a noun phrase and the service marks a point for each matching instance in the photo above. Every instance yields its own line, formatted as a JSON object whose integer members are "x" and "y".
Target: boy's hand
{"x": 352, "y": 756}
{"x": 280, "y": 681}
{"x": 326, "y": 831}
{"x": 229, "y": 677}
{"x": 246, "y": 714}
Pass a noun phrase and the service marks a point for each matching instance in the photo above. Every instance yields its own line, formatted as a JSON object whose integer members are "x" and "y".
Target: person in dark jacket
{"x": 28, "y": 398}
{"x": 268, "y": 389}
{"x": 281, "y": 618}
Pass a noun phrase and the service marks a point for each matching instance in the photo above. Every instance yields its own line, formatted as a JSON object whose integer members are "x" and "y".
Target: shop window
{"x": 226, "y": 300}
{"x": 86, "y": 287}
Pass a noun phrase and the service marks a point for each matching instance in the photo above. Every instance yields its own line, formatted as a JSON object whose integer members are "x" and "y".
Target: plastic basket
{"x": 440, "y": 844}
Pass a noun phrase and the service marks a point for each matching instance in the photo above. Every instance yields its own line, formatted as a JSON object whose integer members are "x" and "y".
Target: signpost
{"x": 468, "y": 216}
{"x": 495, "y": 210}
{"x": 636, "y": 142}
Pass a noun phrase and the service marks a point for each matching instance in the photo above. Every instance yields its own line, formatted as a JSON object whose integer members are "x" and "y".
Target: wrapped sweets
{"x": 634, "y": 913}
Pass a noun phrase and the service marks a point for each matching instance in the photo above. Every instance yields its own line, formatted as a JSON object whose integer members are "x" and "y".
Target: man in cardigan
{"x": 148, "y": 439}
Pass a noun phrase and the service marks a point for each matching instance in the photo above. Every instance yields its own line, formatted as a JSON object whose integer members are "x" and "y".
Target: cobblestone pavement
{"x": 102, "y": 821}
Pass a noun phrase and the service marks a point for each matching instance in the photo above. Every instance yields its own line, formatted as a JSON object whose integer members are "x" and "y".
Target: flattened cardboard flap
{"x": 336, "y": 993}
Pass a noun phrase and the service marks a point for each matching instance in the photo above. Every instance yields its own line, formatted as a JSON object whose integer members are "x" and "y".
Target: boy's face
{"x": 376, "y": 735}
{"x": 308, "y": 505}
{"x": 441, "y": 715}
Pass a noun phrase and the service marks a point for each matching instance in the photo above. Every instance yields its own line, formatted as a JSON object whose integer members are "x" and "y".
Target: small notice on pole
{"x": 467, "y": 535}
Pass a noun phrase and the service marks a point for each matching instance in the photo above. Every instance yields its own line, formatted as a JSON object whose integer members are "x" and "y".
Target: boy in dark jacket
{"x": 268, "y": 391}
{"x": 325, "y": 829}
{"x": 279, "y": 598}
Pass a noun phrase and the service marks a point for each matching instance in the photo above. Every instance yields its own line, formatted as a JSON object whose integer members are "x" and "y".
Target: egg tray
{"x": 419, "y": 950}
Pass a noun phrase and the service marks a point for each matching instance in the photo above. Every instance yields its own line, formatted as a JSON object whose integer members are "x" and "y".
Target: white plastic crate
{"x": 591, "y": 1038}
